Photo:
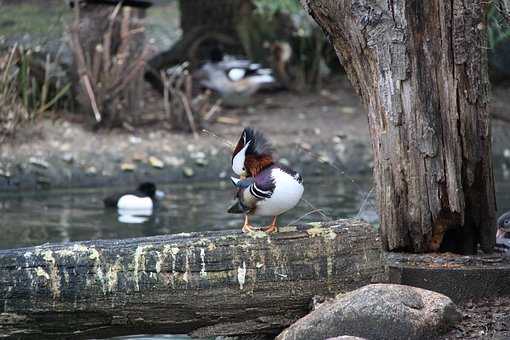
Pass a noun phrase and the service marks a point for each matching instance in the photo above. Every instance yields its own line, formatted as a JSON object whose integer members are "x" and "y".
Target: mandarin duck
{"x": 265, "y": 188}
{"x": 234, "y": 79}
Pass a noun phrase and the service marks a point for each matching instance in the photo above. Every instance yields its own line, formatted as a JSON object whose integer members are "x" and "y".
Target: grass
{"x": 41, "y": 21}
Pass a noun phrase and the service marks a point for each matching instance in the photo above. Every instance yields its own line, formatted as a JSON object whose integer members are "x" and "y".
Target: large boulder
{"x": 378, "y": 311}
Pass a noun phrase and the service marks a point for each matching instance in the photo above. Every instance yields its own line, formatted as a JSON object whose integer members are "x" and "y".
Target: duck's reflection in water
{"x": 134, "y": 216}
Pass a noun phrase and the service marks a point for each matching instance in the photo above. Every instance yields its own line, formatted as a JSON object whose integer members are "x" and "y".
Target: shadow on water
{"x": 72, "y": 215}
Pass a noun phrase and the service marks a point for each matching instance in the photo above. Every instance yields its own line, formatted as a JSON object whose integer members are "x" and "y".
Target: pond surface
{"x": 34, "y": 218}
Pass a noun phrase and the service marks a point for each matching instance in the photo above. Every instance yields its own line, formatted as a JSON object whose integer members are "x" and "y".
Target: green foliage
{"x": 23, "y": 94}
{"x": 270, "y": 7}
{"x": 498, "y": 29}
{"x": 35, "y": 88}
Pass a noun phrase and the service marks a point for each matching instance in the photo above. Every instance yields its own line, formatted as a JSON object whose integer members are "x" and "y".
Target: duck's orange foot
{"x": 270, "y": 229}
{"x": 247, "y": 227}
{"x": 273, "y": 228}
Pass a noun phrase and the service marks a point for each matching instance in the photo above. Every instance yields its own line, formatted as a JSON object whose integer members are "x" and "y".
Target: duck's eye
{"x": 506, "y": 222}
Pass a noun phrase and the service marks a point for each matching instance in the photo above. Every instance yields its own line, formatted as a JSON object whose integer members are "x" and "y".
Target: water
{"x": 34, "y": 218}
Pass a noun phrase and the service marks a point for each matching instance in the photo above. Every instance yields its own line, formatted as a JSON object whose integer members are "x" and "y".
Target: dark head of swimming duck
{"x": 144, "y": 197}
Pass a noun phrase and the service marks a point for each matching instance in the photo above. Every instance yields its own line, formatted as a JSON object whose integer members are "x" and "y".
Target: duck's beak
{"x": 160, "y": 194}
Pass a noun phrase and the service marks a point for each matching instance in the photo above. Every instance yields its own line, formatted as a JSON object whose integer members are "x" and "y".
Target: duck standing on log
{"x": 265, "y": 188}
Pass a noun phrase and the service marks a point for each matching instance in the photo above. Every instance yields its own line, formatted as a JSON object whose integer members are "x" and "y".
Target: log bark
{"x": 212, "y": 283}
{"x": 421, "y": 70}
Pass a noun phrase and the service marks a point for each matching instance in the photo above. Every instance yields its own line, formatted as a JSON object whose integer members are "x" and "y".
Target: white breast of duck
{"x": 133, "y": 202}
{"x": 288, "y": 190}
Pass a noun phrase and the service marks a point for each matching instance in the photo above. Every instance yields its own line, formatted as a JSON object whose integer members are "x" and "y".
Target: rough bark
{"x": 213, "y": 283}
{"x": 420, "y": 68}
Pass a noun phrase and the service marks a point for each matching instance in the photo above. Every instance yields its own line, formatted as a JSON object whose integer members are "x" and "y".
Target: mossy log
{"x": 211, "y": 283}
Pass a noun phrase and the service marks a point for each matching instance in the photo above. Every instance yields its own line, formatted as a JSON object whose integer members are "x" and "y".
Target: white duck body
{"x": 133, "y": 202}
{"x": 288, "y": 190}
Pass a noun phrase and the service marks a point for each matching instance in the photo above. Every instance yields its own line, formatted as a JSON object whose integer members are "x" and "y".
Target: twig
{"x": 213, "y": 110}
{"x": 189, "y": 114}
{"x": 90, "y": 93}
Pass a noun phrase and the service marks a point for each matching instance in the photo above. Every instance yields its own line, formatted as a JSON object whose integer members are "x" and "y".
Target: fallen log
{"x": 211, "y": 283}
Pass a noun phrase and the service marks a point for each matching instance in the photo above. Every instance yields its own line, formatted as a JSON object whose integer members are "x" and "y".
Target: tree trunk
{"x": 421, "y": 69}
{"x": 212, "y": 283}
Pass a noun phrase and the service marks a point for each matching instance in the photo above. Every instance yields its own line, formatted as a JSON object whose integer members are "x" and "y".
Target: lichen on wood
{"x": 211, "y": 283}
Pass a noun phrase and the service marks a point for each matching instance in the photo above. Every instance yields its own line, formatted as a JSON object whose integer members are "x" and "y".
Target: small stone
{"x": 139, "y": 157}
{"x": 222, "y": 175}
{"x": 91, "y": 171}
{"x": 68, "y": 158}
{"x": 323, "y": 158}
{"x": 135, "y": 140}
{"x": 336, "y": 140}
{"x": 41, "y": 163}
{"x": 43, "y": 181}
{"x": 197, "y": 155}
{"x": 188, "y": 172}
{"x": 174, "y": 161}
{"x": 306, "y": 146}
{"x": 317, "y": 131}
{"x": 201, "y": 162}
{"x": 5, "y": 173}
{"x": 347, "y": 109}
{"x": 156, "y": 162}
{"x": 284, "y": 161}
{"x": 301, "y": 116}
{"x": 128, "y": 167}
{"x": 506, "y": 153}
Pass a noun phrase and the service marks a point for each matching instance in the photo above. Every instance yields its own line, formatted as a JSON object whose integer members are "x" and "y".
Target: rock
{"x": 135, "y": 140}
{"x": 378, "y": 311}
{"x": 347, "y": 109}
{"x": 5, "y": 173}
{"x": 68, "y": 158}
{"x": 284, "y": 161}
{"x": 91, "y": 171}
{"x": 156, "y": 162}
{"x": 174, "y": 161}
{"x": 128, "y": 167}
{"x": 41, "y": 163}
{"x": 201, "y": 162}
{"x": 188, "y": 172}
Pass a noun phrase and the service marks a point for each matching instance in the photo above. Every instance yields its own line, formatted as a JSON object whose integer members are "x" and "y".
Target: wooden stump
{"x": 109, "y": 48}
{"x": 211, "y": 283}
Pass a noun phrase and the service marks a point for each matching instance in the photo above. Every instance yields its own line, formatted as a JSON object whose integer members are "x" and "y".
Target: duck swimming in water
{"x": 143, "y": 198}
{"x": 265, "y": 188}
{"x": 234, "y": 79}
